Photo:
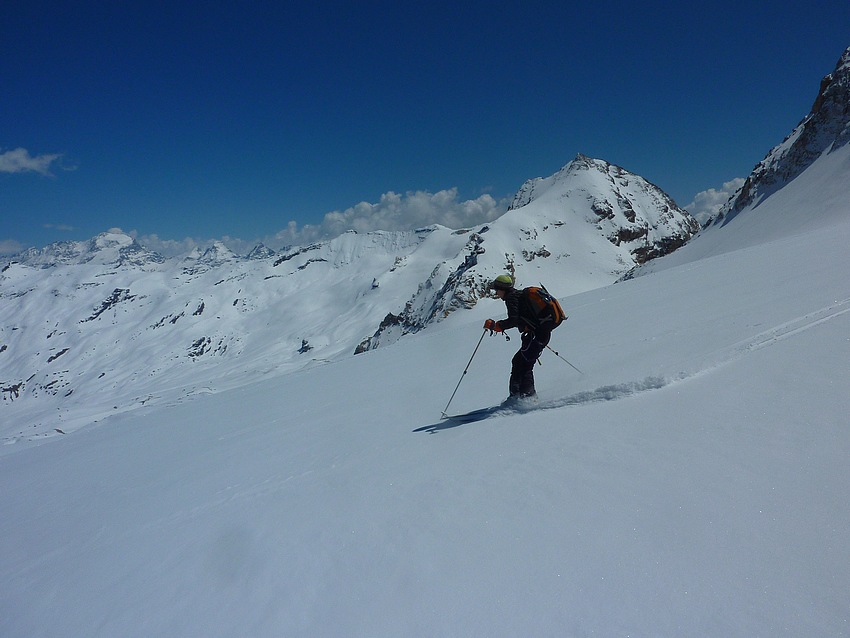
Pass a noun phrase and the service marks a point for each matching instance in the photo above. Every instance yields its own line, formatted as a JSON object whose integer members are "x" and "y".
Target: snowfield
{"x": 173, "y": 466}
{"x": 693, "y": 482}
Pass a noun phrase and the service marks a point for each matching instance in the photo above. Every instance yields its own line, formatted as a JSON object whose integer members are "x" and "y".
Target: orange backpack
{"x": 543, "y": 310}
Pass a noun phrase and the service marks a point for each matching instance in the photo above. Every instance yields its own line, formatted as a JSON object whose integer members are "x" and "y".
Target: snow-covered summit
{"x": 113, "y": 247}
{"x": 217, "y": 254}
{"x": 803, "y": 184}
{"x": 628, "y": 209}
{"x": 260, "y": 251}
{"x": 578, "y": 229}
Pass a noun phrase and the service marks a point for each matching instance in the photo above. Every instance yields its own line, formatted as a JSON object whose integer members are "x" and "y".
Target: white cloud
{"x": 181, "y": 247}
{"x": 20, "y": 161}
{"x": 394, "y": 211}
{"x": 166, "y": 247}
{"x": 10, "y": 247}
{"x": 62, "y": 227}
{"x": 707, "y": 203}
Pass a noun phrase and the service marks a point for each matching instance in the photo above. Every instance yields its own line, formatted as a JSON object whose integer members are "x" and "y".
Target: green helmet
{"x": 503, "y": 282}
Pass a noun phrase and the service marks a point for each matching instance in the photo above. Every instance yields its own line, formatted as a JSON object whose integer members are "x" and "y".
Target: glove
{"x": 492, "y": 326}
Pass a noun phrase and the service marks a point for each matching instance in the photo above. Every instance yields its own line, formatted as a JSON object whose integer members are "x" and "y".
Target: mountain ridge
{"x": 824, "y": 130}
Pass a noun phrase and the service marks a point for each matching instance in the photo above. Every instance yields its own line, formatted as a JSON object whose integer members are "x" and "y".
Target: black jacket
{"x": 514, "y": 303}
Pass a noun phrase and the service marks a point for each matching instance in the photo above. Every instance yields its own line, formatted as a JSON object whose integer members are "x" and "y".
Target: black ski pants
{"x": 522, "y": 365}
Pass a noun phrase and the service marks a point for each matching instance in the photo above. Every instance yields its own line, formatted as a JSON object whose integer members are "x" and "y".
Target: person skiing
{"x": 535, "y": 336}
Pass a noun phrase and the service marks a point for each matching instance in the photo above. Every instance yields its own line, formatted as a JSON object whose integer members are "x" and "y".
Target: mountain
{"x": 579, "y": 229}
{"x": 109, "y": 248}
{"x": 691, "y": 482}
{"x": 824, "y": 131}
{"x": 801, "y": 185}
{"x": 261, "y": 251}
{"x": 629, "y": 210}
{"x": 90, "y": 328}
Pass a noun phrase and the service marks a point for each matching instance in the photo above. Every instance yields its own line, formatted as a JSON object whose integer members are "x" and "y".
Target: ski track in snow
{"x": 738, "y": 350}
{"x": 622, "y": 390}
{"x": 793, "y": 327}
{"x": 607, "y": 393}
{"x": 616, "y": 391}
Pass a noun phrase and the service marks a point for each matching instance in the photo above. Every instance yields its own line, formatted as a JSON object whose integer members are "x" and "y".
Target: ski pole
{"x": 465, "y": 370}
{"x": 564, "y": 360}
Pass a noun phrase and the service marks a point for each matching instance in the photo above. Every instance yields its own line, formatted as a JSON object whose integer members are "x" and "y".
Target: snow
{"x": 692, "y": 482}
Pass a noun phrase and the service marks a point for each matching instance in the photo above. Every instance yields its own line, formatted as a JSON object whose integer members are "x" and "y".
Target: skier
{"x": 535, "y": 336}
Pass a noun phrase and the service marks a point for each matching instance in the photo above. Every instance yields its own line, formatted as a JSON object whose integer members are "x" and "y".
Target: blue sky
{"x": 187, "y": 121}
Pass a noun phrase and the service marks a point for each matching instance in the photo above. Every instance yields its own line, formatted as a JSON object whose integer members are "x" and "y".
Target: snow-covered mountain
{"x": 804, "y": 179}
{"x": 824, "y": 131}
{"x": 104, "y": 325}
{"x": 112, "y": 248}
{"x": 627, "y": 210}
{"x": 691, "y": 482}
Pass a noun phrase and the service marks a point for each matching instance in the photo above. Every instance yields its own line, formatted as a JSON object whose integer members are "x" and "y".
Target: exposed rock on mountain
{"x": 824, "y": 130}
{"x": 261, "y": 251}
{"x": 628, "y": 209}
{"x": 581, "y": 227}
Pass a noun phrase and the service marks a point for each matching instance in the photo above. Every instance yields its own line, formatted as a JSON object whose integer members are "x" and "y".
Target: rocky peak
{"x": 261, "y": 251}
{"x": 626, "y": 208}
{"x": 535, "y": 187}
{"x": 112, "y": 248}
{"x": 217, "y": 254}
{"x": 825, "y": 129}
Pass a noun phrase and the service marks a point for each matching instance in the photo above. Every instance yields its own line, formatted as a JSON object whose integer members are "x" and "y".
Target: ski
{"x": 511, "y": 406}
{"x": 476, "y": 415}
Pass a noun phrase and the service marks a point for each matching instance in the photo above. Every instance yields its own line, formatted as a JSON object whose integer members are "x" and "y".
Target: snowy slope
{"x": 693, "y": 482}
{"x": 816, "y": 199}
